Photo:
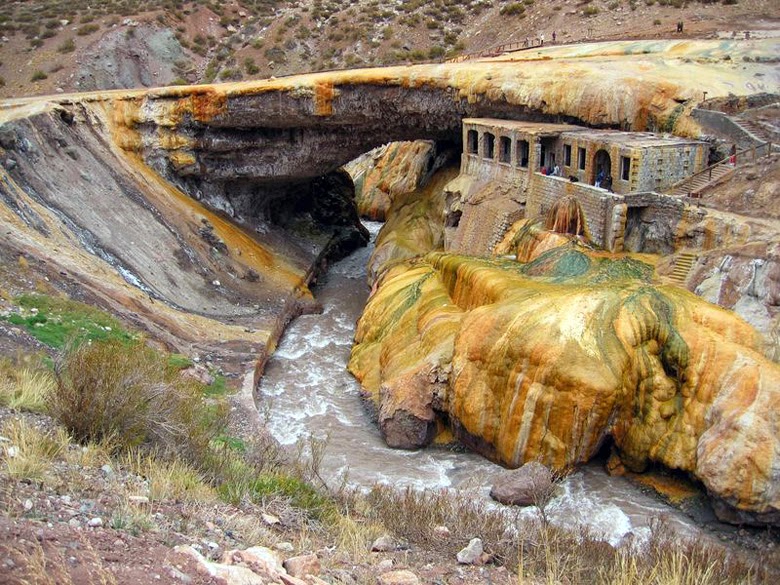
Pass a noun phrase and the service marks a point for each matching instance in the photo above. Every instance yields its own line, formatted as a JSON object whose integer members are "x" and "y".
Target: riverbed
{"x": 306, "y": 391}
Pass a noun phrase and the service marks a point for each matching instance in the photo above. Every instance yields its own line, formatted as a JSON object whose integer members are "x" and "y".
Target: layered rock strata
{"x": 96, "y": 217}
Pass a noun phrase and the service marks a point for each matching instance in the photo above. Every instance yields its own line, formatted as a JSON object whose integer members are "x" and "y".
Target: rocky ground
{"x": 49, "y": 46}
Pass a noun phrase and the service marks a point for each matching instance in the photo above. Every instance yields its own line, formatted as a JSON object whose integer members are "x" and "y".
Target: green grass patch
{"x": 56, "y": 321}
{"x": 301, "y": 494}
{"x": 217, "y": 388}
{"x": 178, "y": 361}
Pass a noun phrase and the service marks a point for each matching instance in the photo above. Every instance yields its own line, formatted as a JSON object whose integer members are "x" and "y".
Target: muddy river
{"x": 307, "y": 392}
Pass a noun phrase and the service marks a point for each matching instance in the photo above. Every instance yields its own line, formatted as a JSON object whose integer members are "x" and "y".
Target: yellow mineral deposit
{"x": 397, "y": 171}
{"x": 547, "y": 367}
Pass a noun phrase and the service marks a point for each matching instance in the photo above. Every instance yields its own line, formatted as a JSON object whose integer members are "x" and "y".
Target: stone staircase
{"x": 757, "y": 131}
{"x": 692, "y": 186}
{"x": 682, "y": 267}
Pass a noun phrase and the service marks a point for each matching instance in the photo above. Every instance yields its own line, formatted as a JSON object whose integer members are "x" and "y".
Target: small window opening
{"x": 567, "y": 155}
{"x": 472, "y": 142}
{"x": 625, "y": 168}
{"x": 490, "y": 142}
{"x": 522, "y": 153}
{"x": 581, "y": 158}
{"x": 505, "y": 149}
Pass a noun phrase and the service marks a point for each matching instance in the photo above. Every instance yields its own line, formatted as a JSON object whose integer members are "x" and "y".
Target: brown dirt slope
{"x": 48, "y": 46}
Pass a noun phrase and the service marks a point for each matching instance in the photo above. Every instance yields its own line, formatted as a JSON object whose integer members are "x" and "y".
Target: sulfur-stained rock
{"x": 550, "y": 358}
{"x": 391, "y": 170}
{"x": 414, "y": 226}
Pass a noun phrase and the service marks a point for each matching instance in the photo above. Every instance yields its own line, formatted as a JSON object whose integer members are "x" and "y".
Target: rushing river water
{"x": 307, "y": 391}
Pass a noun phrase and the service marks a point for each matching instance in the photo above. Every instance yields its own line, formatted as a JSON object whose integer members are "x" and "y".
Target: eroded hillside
{"x": 56, "y": 45}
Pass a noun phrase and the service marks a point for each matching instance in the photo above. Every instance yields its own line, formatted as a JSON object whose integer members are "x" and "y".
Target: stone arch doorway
{"x": 602, "y": 166}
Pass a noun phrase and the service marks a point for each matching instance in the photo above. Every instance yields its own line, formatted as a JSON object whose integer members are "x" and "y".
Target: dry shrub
{"x": 26, "y": 388}
{"x": 413, "y": 515}
{"x": 169, "y": 480}
{"x": 127, "y": 394}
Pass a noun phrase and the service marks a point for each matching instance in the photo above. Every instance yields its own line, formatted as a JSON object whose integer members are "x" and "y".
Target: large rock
{"x": 550, "y": 359}
{"x": 525, "y": 486}
{"x": 302, "y": 565}
{"x": 472, "y": 553}
{"x": 402, "y": 577}
{"x": 386, "y": 172}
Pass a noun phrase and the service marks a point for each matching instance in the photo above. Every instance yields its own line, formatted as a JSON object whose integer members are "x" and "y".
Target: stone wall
{"x": 652, "y": 222}
{"x": 721, "y": 125}
{"x": 656, "y": 169}
{"x": 651, "y": 168}
{"x": 598, "y": 205}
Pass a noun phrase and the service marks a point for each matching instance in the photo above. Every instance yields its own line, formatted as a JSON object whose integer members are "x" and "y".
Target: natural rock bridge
{"x": 258, "y": 151}
{"x": 119, "y": 196}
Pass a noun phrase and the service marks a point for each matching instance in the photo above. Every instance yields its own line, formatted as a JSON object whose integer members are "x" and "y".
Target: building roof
{"x": 635, "y": 139}
{"x": 531, "y": 128}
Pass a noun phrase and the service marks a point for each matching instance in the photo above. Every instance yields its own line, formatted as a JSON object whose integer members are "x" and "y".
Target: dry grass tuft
{"x": 169, "y": 480}
{"x": 354, "y": 535}
{"x": 26, "y": 388}
{"x": 29, "y": 453}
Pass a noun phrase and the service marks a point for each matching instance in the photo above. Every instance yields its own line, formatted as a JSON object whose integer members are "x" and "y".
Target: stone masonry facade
{"x": 508, "y": 171}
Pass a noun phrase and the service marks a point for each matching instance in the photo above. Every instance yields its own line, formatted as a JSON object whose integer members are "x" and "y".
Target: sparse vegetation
{"x": 55, "y": 321}
{"x": 67, "y": 46}
{"x": 129, "y": 395}
{"x": 39, "y": 76}
{"x": 87, "y": 29}
{"x": 513, "y": 9}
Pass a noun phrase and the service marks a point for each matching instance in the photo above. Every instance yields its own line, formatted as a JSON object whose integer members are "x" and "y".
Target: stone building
{"x": 507, "y": 173}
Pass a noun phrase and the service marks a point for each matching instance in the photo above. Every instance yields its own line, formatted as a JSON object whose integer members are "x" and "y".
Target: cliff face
{"x": 98, "y": 217}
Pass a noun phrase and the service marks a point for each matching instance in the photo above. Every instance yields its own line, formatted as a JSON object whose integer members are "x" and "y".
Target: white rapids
{"x": 306, "y": 391}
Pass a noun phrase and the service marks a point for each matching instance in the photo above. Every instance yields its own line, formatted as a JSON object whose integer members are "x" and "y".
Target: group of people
{"x": 553, "y": 171}
{"x": 539, "y": 40}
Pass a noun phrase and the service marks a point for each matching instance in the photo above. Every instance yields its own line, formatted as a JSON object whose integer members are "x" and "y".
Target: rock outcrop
{"x": 549, "y": 359}
{"x": 398, "y": 168}
{"x": 97, "y": 217}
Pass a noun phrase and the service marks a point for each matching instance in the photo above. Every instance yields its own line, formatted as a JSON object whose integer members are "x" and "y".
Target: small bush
{"x": 657, "y": 22}
{"x": 67, "y": 46}
{"x": 436, "y": 52}
{"x": 512, "y": 9}
{"x": 591, "y": 11}
{"x": 38, "y": 76}
{"x": 87, "y": 29}
{"x": 250, "y": 66}
{"x": 230, "y": 74}
{"x": 128, "y": 394}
